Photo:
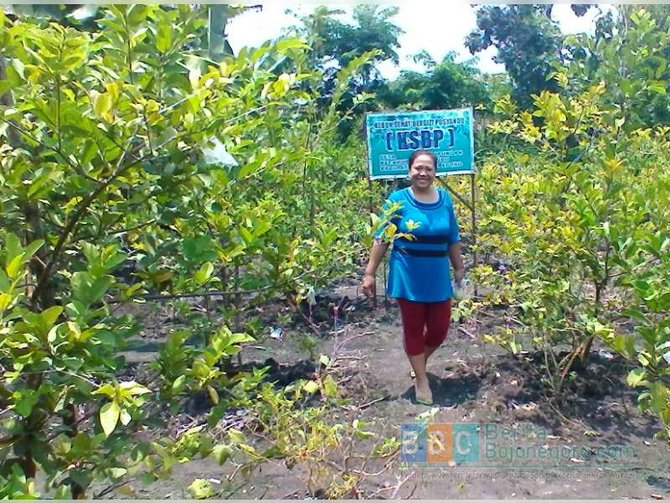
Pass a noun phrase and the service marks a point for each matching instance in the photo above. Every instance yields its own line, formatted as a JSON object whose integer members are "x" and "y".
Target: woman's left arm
{"x": 456, "y": 260}
{"x": 455, "y": 245}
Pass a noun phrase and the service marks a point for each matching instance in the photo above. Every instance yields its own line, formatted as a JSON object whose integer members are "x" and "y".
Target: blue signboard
{"x": 392, "y": 137}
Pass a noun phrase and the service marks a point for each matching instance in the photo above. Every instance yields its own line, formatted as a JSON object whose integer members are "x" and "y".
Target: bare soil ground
{"x": 472, "y": 382}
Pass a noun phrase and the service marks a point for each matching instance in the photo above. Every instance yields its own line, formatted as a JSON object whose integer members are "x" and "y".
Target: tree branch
{"x": 74, "y": 220}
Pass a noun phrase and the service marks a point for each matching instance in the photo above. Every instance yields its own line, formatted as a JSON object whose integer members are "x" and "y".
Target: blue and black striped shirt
{"x": 419, "y": 267}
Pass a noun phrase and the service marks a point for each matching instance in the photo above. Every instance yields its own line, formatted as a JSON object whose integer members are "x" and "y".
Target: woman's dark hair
{"x": 419, "y": 152}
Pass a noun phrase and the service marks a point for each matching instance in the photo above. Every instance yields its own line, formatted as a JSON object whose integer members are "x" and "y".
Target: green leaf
{"x": 82, "y": 476}
{"x": 50, "y": 316}
{"x": 213, "y": 394}
{"x": 107, "y": 390}
{"x": 635, "y": 314}
{"x": 164, "y": 37}
{"x": 99, "y": 288}
{"x": 201, "y": 489}
{"x": 14, "y": 266}
{"x": 199, "y": 249}
{"x": 117, "y": 473}
{"x": 222, "y": 453}
{"x": 91, "y": 252}
{"x": 311, "y": 387}
{"x": 109, "y": 417}
{"x": 5, "y": 301}
{"x": 32, "y": 248}
{"x": 133, "y": 388}
{"x": 200, "y": 369}
{"x": 204, "y": 274}
{"x": 291, "y": 43}
{"x": 329, "y": 387}
{"x": 246, "y": 236}
{"x": 238, "y": 338}
{"x": 13, "y": 246}
{"x": 636, "y": 378}
{"x": 4, "y": 281}
{"x": 660, "y": 396}
{"x": 41, "y": 185}
{"x": 25, "y": 400}
{"x": 360, "y": 433}
{"x": 236, "y": 436}
{"x": 624, "y": 345}
{"x": 79, "y": 282}
{"x": 178, "y": 384}
{"x": 658, "y": 87}
{"x": 112, "y": 258}
{"x": 248, "y": 169}
{"x": 89, "y": 290}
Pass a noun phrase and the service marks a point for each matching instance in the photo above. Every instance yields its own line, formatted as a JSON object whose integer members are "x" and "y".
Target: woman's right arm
{"x": 376, "y": 255}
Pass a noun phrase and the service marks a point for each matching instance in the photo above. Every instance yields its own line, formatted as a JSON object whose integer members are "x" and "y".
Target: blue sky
{"x": 438, "y": 27}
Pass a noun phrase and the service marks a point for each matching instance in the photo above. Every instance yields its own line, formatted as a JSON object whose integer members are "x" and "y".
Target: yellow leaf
{"x": 102, "y": 104}
{"x": 5, "y": 301}
{"x": 109, "y": 417}
{"x": 311, "y": 387}
{"x": 14, "y": 266}
{"x": 213, "y": 394}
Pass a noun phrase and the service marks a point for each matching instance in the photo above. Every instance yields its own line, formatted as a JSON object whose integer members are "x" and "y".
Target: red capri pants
{"x": 425, "y": 324}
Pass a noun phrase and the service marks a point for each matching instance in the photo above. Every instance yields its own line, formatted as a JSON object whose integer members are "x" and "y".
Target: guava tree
{"x": 580, "y": 217}
{"x": 109, "y": 191}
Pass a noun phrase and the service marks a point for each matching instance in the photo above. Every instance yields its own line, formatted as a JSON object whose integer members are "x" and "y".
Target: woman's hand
{"x": 369, "y": 285}
{"x": 459, "y": 274}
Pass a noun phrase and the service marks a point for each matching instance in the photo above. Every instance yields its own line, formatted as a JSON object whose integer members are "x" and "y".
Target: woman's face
{"x": 422, "y": 172}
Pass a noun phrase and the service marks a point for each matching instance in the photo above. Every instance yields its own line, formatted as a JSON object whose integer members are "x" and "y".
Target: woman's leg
{"x": 413, "y": 316}
{"x": 438, "y": 317}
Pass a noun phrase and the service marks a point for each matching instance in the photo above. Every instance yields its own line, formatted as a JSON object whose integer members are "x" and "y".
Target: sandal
{"x": 423, "y": 397}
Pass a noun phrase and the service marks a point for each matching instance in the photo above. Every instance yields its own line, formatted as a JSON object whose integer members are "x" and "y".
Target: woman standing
{"x": 419, "y": 275}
